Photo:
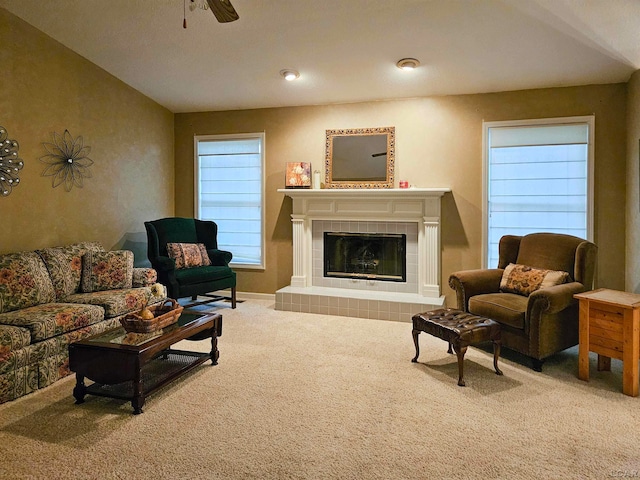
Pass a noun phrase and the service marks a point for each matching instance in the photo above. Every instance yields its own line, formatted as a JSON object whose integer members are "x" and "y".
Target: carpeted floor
{"x": 305, "y": 396}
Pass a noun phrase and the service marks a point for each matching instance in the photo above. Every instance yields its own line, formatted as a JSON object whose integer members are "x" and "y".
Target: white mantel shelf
{"x": 363, "y": 192}
{"x": 392, "y": 204}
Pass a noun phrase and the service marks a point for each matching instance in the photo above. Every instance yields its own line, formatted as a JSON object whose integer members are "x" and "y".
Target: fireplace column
{"x": 301, "y": 244}
{"x": 430, "y": 249}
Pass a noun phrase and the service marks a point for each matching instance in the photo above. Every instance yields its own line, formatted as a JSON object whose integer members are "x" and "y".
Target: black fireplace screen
{"x": 379, "y": 256}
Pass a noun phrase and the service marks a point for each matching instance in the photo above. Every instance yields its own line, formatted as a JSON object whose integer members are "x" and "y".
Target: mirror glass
{"x": 360, "y": 158}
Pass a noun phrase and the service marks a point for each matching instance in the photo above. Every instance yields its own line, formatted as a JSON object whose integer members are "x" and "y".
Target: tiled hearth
{"x": 411, "y": 212}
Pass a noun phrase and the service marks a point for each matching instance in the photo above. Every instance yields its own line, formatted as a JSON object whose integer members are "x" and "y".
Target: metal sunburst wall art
{"x": 10, "y": 163}
{"x": 67, "y": 161}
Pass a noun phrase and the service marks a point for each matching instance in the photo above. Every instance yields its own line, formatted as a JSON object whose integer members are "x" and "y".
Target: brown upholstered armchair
{"x": 546, "y": 321}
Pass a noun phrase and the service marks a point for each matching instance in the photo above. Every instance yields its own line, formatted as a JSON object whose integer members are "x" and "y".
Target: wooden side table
{"x": 610, "y": 327}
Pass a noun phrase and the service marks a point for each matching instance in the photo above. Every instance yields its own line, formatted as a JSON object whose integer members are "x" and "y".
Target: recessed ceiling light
{"x": 407, "y": 64}
{"x": 289, "y": 74}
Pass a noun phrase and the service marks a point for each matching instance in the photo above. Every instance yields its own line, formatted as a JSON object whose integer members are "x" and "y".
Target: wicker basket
{"x": 164, "y": 314}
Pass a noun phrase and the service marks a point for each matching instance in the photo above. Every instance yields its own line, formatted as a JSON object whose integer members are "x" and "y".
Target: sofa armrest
{"x": 553, "y": 299}
{"x": 144, "y": 277}
{"x": 219, "y": 258}
{"x": 468, "y": 283}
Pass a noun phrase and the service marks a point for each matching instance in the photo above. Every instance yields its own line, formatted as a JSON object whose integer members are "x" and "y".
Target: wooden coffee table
{"x": 130, "y": 366}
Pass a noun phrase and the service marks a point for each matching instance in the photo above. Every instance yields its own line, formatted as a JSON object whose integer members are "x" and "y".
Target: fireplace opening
{"x": 371, "y": 256}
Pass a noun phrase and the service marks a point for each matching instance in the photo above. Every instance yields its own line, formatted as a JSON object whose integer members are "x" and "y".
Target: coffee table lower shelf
{"x": 163, "y": 369}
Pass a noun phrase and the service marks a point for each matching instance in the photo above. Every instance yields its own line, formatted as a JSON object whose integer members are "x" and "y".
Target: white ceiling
{"x": 345, "y": 50}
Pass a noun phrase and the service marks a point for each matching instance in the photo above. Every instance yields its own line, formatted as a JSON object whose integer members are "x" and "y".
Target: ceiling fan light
{"x": 407, "y": 64}
{"x": 289, "y": 75}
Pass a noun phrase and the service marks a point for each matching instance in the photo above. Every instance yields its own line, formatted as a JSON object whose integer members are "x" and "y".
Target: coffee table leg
{"x": 460, "y": 351}
{"x": 137, "y": 401}
{"x": 215, "y": 354}
{"x": 80, "y": 390}
{"x": 415, "y": 342}
{"x": 496, "y": 355}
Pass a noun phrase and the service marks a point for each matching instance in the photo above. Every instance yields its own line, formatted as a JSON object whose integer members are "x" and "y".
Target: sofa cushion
{"x": 107, "y": 270}
{"x": 524, "y": 280}
{"x": 65, "y": 265}
{"x": 117, "y": 302}
{"x": 506, "y": 308}
{"x": 24, "y": 281}
{"x": 188, "y": 255}
{"x": 51, "y": 319}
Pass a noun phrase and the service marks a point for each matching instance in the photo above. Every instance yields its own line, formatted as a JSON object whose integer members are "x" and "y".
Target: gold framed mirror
{"x": 360, "y": 158}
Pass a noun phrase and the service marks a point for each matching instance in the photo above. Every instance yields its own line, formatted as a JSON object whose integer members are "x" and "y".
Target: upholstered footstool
{"x": 460, "y": 329}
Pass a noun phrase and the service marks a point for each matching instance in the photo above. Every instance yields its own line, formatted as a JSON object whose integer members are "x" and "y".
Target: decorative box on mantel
{"x": 368, "y": 253}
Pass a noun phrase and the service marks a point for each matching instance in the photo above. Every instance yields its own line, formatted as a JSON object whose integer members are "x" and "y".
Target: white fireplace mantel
{"x": 419, "y": 205}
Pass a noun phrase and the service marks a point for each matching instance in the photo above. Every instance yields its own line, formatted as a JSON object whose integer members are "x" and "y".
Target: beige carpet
{"x": 307, "y": 396}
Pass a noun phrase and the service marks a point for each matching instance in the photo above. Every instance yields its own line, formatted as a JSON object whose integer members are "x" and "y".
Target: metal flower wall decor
{"x": 10, "y": 163}
{"x": 67, "y": 161}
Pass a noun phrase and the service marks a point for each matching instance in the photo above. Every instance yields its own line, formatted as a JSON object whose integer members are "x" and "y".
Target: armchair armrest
{"x": 164, "y": 264}
{"x": 144, "y": 277}
{"x": 166, "y": 270}
{"x": 219, "y": 258}
{"x": 553, "y": 299}
{"x": 468, "y": 283}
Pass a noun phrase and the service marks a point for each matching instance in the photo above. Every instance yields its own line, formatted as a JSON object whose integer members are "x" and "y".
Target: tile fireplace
{"x": 368, "y": 253}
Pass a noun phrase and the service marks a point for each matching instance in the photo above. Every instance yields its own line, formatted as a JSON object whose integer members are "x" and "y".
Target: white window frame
{"x": 587, "y": 119}
{"x": 196, "y": 179}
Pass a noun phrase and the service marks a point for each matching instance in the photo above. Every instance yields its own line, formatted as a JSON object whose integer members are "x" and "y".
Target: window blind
{"x": 537, "y": 181}
{"x": 229, "y": 192}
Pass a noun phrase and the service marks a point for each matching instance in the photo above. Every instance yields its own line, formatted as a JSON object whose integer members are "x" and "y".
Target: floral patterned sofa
{"x": 55, "y": 296}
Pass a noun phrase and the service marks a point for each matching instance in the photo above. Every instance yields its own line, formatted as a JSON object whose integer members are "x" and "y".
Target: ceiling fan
{"x": 222, "y": 9}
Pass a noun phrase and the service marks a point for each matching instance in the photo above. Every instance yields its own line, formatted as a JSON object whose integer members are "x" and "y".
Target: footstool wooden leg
{"x": 449, "y": 350}
{"x": 460, "y": 351}
{"x": 496, "y": 355}
{"x": 415, "y": 342}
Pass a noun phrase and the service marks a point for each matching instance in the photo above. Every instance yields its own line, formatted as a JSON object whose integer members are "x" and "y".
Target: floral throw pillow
{"x": 65, "y": 266}
{"x": 188, "y": 255}
{"x": 107, "y": 270}
{"x": 65, "y": 269}
{"x": 24, "y": 281}
{"x": 524, "y": 280}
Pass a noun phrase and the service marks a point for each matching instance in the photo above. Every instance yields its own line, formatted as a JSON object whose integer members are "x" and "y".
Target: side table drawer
{"x": 605, "y": 330}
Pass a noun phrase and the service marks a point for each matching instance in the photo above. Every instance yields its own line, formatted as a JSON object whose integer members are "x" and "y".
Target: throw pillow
{"x": 65, "y": 266}
{"x": 525, "y": 280}
{"x": 107, "y": 270}
{"x": 24, "y": 282}
{"x": 188, "y": 255}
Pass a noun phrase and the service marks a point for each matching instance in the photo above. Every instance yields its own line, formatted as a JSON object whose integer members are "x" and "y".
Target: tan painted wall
{"x": 46, "y": 88}
{"x": 633, "y": 185}
{"x": 438, "y": 144}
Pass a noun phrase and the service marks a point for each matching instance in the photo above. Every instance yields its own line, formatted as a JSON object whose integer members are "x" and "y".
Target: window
{"x": 538, "y": 179}
{"x": 229, "y": 189}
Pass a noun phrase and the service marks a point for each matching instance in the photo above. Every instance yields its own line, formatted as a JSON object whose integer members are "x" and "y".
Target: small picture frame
{"x": 298, "y": 175}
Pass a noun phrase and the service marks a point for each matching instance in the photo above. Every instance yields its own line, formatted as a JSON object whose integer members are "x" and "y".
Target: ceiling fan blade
{"x": 223, "y": 10}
